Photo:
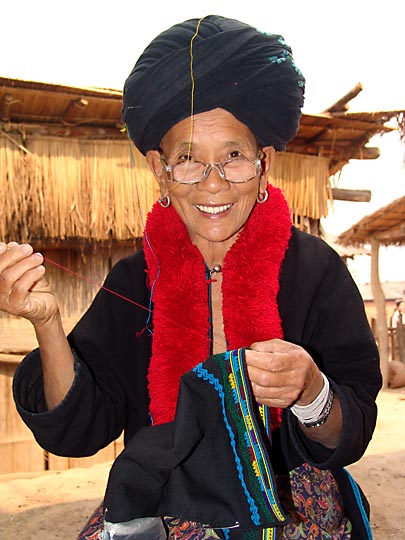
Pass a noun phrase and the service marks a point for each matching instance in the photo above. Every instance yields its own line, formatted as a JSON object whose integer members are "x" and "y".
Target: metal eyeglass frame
{"x": 219, "y": 167}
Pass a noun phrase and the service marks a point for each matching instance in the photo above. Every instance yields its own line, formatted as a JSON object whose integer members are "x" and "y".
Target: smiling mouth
{"x": 213, "y": 210}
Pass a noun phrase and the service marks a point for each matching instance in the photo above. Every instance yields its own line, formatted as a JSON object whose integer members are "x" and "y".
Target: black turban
{"x": 236, "y": 67}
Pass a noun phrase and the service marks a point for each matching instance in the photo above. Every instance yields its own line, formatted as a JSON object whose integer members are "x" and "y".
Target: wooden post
{"x": 400, "y": 338}
{"x": 355, "y": 195}
{"x": 342, "y": 104}
{"x": 381, "y": 321}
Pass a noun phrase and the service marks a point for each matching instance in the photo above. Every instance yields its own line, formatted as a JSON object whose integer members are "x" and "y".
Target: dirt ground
{"x": 56, "y": 505}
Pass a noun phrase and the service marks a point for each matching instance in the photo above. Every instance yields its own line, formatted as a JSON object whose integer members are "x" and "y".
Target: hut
{"x": 385, "y": 227}
{"x": 75, "y": 188}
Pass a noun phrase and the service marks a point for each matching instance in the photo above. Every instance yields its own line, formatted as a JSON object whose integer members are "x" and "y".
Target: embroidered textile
{"x": 312, "y": 499}
{"x": 94, "y": 525}
{"x": 215, "y": 447}
{"x": 211, "y": 464}
{"x": 188, "y": 530}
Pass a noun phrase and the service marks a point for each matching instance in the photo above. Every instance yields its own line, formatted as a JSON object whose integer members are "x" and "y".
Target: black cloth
{"x": 236, "y": 67}
{"x": 173, "y": 469}
{"x": 321, "y": 309}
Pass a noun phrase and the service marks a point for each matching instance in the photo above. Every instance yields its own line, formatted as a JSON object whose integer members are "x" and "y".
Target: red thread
{"x": 141, "y": 332}
{"x": 111, "y": 291}
{"x": 96, "y": 284}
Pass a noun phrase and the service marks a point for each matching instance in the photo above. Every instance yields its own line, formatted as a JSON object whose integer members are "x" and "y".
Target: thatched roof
{"x": 94, "y": 112}
{"x": 69, "y": 171}
{"x": 386, "y": 225}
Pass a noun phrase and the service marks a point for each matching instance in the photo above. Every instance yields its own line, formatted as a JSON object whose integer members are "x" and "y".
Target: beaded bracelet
{"x": 325, "y": 412}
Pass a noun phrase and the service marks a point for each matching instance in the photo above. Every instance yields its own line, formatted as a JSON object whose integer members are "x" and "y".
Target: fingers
{"x": 277, "y": 355}
{"x": 282, "y": 373}
{"x": 19, "y": 266}
{"x": 20, "y": 270}
{"x": 273, "y": 345}
{"x": 17, "y": 258}
{"x": 275, "y": 388}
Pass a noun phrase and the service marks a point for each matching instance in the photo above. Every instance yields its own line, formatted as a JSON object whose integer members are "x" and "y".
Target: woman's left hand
{"x": 282, "y": 374}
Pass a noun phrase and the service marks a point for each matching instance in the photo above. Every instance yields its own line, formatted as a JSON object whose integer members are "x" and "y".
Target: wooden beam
{"x": 381, "y": 321}
{"x": 73, "y": 110}
{"x": 342, "y": 104}
{"x": 365, "y": 152}
{"x": 5, "y": 107}
{"x": 333, "y": 149}
{"x": 354, "y": 195}
{"x": 65, "y": 130}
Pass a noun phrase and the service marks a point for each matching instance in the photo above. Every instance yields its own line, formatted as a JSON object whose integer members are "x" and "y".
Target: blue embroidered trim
{"x": 238, "y": 378}
{"x": 204, "y": 374}
{"x": 252, "y": 465}
{"x": 359, "y": 501}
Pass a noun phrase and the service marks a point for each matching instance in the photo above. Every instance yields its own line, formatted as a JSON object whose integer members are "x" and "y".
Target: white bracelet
{"x": 325, "y": 413}
{"x": 313, "y": 411}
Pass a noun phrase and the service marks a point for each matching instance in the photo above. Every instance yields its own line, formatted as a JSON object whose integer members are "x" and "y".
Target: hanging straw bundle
{"x": 122, "y": 189}
{"x": 15, "y": 171}
{"x": 89, "y": 189}
{"x": 305, "y": 183}
{"x": 101, "y": 190}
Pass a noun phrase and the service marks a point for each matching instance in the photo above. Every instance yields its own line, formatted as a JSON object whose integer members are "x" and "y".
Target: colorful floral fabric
{"x": 94, "y": 525}
{"x": 312, "y": 501}
{"x": 311, "y": 498}
{"x": 188, "y": 530}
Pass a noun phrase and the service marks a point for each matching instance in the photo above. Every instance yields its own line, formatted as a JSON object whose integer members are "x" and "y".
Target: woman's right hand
{"x": 24, "y": 290}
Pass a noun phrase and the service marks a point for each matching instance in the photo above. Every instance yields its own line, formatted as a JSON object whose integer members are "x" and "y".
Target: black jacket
{"x": 321, "y": 310}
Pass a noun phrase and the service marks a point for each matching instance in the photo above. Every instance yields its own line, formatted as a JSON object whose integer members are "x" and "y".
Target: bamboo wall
{"x": 71, "y": 188}
{"x": 19, "y": 451}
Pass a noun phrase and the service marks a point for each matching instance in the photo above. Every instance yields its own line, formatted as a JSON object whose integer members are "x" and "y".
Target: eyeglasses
{"x": 237, "y": 170}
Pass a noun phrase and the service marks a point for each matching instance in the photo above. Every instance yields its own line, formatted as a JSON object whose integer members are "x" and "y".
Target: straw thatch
{"x": 66, "y": 169}
{"x": 71, "y": 188}
{"x": 386, "y": 225}
{"x": 101, "y": 189}
{"x": 305, "y": 183}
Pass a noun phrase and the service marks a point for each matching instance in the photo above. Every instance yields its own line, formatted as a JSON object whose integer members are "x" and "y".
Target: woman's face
{"x": 213, "y": 210}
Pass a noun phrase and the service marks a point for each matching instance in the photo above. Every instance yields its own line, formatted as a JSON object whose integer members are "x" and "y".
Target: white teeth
{"x": 213, "y": 209}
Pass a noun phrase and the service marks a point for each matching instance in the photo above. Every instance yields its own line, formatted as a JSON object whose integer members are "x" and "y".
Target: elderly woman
{"x": 229, "y": 282}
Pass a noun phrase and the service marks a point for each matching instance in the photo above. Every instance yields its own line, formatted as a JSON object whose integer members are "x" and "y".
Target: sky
{"x": 336, "y": 45}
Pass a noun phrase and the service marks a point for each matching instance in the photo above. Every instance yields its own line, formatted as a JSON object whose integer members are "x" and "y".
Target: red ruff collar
{"x": 177, "y": 273}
